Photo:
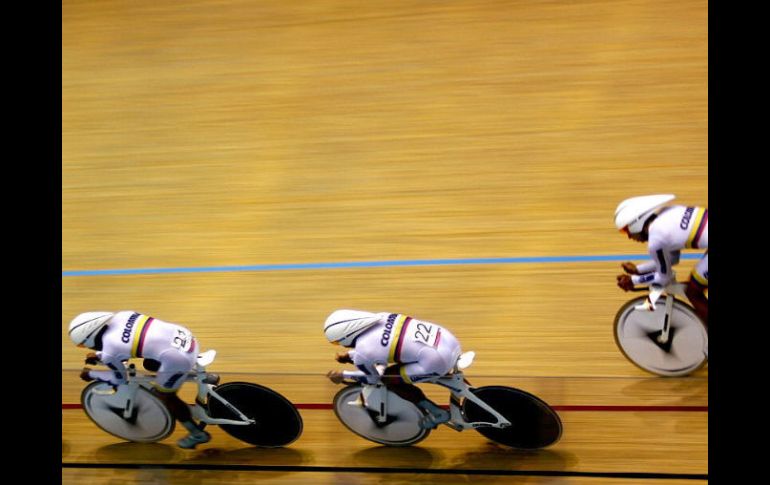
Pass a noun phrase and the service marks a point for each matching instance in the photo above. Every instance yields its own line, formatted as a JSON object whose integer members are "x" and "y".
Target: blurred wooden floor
{"x": 233, "y": 133}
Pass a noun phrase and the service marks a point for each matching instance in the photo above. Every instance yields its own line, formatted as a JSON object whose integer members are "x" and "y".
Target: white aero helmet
{"x": 84, "y": 327}
{"x": 634, "y": 212}
{"x": 343, "y": 326}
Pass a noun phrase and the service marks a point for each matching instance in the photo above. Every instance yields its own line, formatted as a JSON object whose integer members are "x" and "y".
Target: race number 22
{"x": 426, "y": 334}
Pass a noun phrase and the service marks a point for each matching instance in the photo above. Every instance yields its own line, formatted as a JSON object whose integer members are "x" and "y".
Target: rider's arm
{"x": 116, "y": 374}
{"x": 649, "y": 266}
{"x": 646, "y": 267}
{"x": 660, "y": 270}
{"x": 366, "y": 372}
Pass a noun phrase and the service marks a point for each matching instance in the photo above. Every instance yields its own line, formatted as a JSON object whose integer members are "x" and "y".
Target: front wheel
{"x": 150, "y": 420}
{"x": 277, "y": 421}
{"x": 534, "y": 424}
{"x": 402, "y": 428}
{"x": 636, "y": 333}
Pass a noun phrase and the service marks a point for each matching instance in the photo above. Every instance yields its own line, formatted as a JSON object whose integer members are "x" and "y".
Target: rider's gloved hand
{"x": 92, "y": 359}
{"x": 343, "y": 358}
{"x": 108, "y": 376}
{"x": 84, "y": 374}
{"x": 335, "y": 376}
{"x": 625, "y": 282}
{"x": 630, "y": 268}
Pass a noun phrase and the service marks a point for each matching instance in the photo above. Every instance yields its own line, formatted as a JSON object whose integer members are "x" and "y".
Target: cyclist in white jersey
{"x": 667, "y": 230}
{"x": 167, "y": 348}
{"x": 414, "y": 351}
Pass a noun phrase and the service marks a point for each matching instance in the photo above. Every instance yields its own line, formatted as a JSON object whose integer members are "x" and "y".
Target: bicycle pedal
{"x": 431, "y": 421}
{"x": 427, "y": 423}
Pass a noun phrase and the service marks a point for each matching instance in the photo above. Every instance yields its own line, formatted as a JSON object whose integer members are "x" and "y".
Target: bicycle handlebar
{"x": 669, "y": 287}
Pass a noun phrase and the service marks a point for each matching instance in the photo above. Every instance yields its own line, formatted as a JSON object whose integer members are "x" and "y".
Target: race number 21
{"x": 182, "y": 340}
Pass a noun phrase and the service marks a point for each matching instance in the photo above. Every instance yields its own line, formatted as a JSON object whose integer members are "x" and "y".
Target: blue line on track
{"x": 364, "y": 264}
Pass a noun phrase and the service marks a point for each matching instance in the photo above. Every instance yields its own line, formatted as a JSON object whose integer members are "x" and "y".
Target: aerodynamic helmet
{"x": 343, "y": 326}
{"x": 632, "y": 213}
{"x": 85, "y": 327}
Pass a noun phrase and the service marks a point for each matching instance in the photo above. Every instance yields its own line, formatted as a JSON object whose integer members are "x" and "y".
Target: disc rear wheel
{"x": 534, "y": 424}
{"x": 277, "y": 421}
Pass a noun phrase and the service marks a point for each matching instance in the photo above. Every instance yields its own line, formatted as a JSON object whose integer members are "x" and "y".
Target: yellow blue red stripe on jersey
{"x": 399, "y": 331}
{"x": 700, "y": 280}
{"x": 142, "y": 325}
{"x": 701, "y": 220}
{"x": 404, "y": 375}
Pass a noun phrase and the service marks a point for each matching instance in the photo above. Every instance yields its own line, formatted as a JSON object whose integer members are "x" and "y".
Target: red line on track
{"x": 633, "y": 408}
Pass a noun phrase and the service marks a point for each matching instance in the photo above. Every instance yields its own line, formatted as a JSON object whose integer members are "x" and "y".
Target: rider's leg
{"x": 396, "y": 383}
{"x": 399, "y": 378}
{"x": 697, "y": 287}
{"x": 181, "y": 412}
{"x": 169, "y": 379}
{"x": 695, "y": 293}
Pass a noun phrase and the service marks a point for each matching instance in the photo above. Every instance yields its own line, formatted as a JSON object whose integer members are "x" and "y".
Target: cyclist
{"x": 167, "y": 348}
{"x": 413, "y": 351}
{"x": 666, "y": 230}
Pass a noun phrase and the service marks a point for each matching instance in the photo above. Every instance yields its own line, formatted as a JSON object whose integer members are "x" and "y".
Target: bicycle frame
{"x": 375, "y": 398}
{"x": 460, "y": 388}
{"x": 124, "y": 396}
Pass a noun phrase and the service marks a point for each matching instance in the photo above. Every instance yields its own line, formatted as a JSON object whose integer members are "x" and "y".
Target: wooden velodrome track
{"x": 210, "y": 145}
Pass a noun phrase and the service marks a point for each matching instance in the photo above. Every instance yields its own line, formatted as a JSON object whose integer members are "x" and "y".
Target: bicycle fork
{"x": 124, "y": 396}
{"x": 649, "y": 305}
{"x": 663, "y": 337}
{"x": 375, "y": 398}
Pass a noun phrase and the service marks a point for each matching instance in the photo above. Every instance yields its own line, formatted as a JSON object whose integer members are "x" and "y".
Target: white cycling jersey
{"x": 131, "y": 334}
{"x": 675, "y": 228}
{"x": 426, "y": 350}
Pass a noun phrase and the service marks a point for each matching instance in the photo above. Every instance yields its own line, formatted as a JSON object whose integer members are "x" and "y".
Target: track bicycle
{"x": 502, "y": 414}
{"x": 246, "y": 411}
{"x": 664, "y": 338}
